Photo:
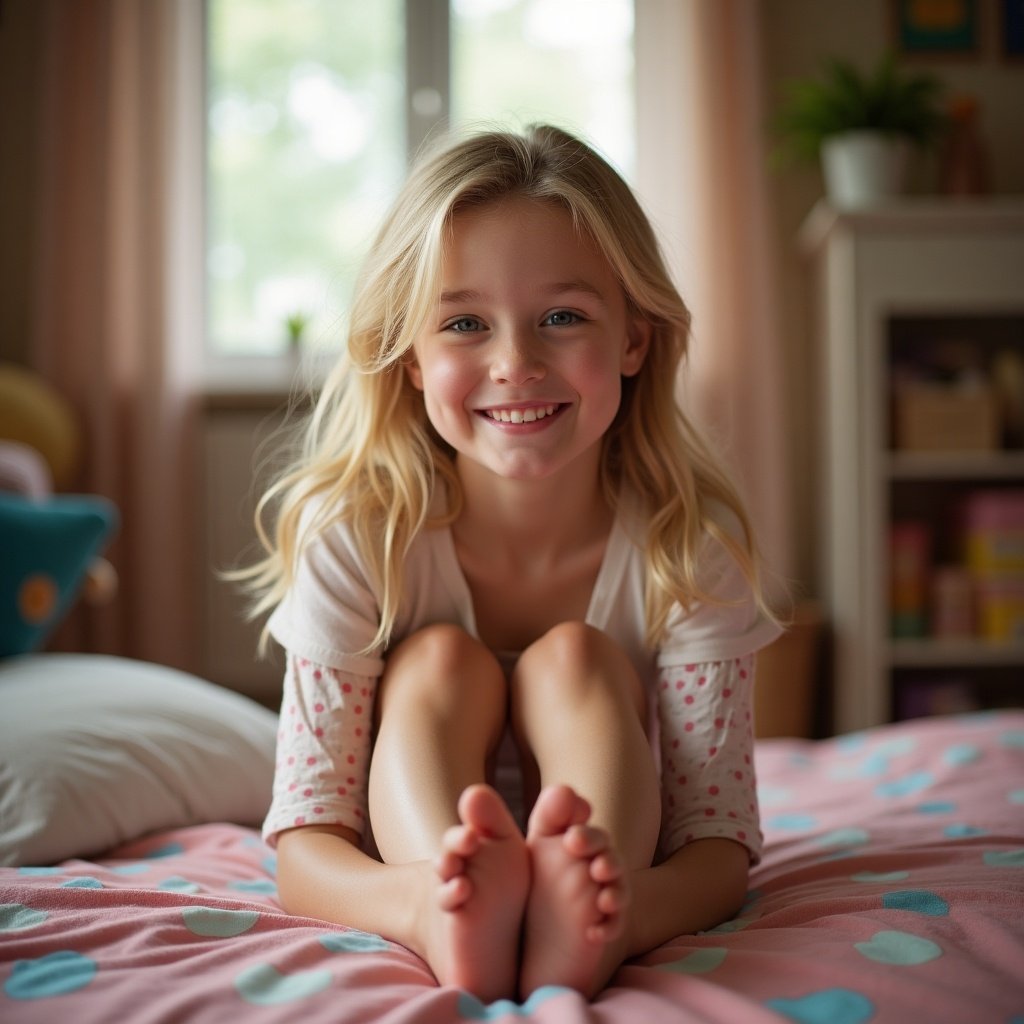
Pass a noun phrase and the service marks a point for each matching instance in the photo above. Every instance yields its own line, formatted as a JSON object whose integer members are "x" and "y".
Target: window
{"x": 314, "y": 106}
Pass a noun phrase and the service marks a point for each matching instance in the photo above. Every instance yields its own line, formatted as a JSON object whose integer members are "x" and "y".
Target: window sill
{"x": 231, "y": 384}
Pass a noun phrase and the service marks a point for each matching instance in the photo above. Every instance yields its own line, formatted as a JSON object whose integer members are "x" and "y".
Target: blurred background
{"x": 187, "y": 187}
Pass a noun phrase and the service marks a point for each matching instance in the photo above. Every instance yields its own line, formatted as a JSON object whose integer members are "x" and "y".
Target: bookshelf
{"x": 920, "y": 287}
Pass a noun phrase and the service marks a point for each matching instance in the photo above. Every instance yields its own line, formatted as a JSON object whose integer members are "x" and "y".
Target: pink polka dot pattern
{"x": 708, "y": 782}
{"x": 323, "y": 749}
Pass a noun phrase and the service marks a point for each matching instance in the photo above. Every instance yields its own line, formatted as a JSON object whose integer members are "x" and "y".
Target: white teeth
{"x": 521, "y": 415}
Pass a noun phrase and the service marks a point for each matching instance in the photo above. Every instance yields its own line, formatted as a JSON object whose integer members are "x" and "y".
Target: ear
{"x": 638, "y": 341}
{"x": 412, "y": 370}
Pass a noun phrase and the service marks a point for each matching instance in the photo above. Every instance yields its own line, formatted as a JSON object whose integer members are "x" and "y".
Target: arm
{"x": 705, "y": 719}
{"x": 696, "y": 888}
{"x": 710, "y": 827}
{"x": 323, "y": 749}
{"x": 318, "y": 815}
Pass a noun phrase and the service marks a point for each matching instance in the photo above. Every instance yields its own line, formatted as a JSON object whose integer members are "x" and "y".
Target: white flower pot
{"x": 863, "y": 168}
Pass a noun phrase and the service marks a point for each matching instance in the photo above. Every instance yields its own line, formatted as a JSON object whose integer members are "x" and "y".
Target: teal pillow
{"x": 46, "y": 547}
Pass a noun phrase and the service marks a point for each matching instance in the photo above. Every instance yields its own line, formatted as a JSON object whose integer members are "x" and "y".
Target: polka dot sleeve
{"x": 323, "y": 749}
{"x": 707, "y": 754}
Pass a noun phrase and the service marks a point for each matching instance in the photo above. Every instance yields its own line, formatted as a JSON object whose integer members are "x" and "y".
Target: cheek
{"x": 447, "y": 381}
{"x": 599, "y": 377}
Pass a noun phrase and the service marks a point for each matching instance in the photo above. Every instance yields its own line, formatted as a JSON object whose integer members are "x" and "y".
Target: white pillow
{"x": 96, "y": 750}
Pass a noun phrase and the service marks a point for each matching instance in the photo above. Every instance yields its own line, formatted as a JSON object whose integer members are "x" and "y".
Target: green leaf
{"x": 843, "y": 99}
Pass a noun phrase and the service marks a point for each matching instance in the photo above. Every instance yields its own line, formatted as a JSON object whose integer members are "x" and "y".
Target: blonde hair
{"x": 370, "y": 457}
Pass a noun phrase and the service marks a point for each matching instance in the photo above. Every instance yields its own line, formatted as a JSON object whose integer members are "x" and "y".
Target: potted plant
{"x": 861, "y": 126}
{"x": 295, "y": 325}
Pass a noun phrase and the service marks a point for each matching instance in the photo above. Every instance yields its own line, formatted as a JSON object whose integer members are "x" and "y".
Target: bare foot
{"x": 575, "y": 916}
{"x": 484, "y": 875}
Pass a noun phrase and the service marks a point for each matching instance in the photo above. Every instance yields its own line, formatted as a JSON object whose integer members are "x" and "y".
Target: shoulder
{"x": 332, "y": 611}
{"x": 720, "y": 573}
{"x": 329, "y": 550}
{"x": 726, "y": 620}
{"x": 715, "y": 560}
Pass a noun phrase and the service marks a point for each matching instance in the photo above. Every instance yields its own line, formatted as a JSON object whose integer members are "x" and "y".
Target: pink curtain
{"x": 702, "y": 166}
{"x": 115, "y": 322}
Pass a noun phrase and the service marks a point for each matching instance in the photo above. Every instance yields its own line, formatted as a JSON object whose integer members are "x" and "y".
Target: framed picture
{"x": 937, "y": 28}
{"x": 1012, "y": 29}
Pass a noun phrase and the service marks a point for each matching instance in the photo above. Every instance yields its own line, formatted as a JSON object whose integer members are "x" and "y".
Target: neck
{"x": 538, "y": 518}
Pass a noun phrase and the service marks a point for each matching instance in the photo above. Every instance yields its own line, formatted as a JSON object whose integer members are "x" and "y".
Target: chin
{"x": 524, "y": 470}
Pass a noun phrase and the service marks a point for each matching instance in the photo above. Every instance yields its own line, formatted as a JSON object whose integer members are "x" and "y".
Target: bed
{"x": 138, "y": 889}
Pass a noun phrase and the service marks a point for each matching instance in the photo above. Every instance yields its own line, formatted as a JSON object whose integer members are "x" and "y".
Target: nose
{"x": 516, "y": 357}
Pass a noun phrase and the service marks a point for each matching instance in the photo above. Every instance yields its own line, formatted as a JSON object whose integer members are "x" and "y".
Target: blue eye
{"x": 562, "y": 318}
{"x": 463, "y": 325}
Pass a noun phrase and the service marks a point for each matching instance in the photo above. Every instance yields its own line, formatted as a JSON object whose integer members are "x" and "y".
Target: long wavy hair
{"x": 369, "y": 455}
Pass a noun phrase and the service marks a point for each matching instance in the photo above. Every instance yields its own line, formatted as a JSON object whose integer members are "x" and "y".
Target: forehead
{"x": 528, "y": 237}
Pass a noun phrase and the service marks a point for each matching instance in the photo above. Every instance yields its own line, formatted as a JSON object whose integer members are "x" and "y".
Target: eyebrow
{"x": 464, "y": 295}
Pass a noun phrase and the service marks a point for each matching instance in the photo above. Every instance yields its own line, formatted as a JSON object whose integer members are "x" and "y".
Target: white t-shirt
{"x": 332, "y": 611}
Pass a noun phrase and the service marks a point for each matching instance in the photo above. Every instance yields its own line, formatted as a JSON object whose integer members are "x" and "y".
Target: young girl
{"x": 503, "y": 538}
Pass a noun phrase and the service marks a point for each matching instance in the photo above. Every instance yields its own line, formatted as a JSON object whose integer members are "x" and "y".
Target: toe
{"x": 461, "y": 841}
{"x": 585, "y": 841}
{"x": 448, "y": 865}
{"x": 604, "y": 932}
{"x": 455, "y": 893}
{"x": 606, "y": 868}
{"x": 557, "y": 809}
{"x": 612, "y": 900}
{"x": 484, "y": 811}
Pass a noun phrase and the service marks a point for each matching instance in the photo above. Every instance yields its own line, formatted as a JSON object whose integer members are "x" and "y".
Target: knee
{"x": 579, "y": 661}
{"x": 574, "y": 645}
{"x": 442, "y": 646}
{"x": 438, "y": 665}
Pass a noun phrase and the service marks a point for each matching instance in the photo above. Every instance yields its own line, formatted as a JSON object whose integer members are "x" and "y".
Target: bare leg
{"x": 578, "y": 707}
{"x": 443, "y": 705}
{"x": 323, "y": 873}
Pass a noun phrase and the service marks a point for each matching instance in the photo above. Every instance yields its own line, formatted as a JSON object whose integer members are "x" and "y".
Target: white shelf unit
{"x": 927, "y": 259}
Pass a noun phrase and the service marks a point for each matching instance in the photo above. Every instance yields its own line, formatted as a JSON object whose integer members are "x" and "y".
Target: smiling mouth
{"x": 530, "y": 415}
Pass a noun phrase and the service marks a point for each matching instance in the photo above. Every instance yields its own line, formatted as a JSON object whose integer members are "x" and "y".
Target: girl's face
{"x": 521, "y": 366}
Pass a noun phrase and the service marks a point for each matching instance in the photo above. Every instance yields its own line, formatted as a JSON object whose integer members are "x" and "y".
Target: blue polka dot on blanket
{"x": 260, "y": 886}
{"x": 470, "y": 1008}
{"x": 214, "y": 922}
{"x": 962, "y": 831}
{"x": 936, "y": 807}
{"x": 848, "y": 836}
{"x": 961, "y": 754}
{"x": 880, "y": 876}
{"x": 1004, "y": 858}
{"x": 178, "y": 884}
{"x": 908, "y": 785}
{"x": 795, "y": 821}
{"x": 828, "y": 1006}
{"x": 898, "y": 948}
{"x": 16, "y": 917}
{"x": 353, "y": 941}
{"x": 131, "y": 869}
{"x": 919, "y": 901}
{"x": 265, "y": 985}
{"x": 168, "y": 850}
{"x": 55, "y": 974}
{"x": 1014, "y": 739}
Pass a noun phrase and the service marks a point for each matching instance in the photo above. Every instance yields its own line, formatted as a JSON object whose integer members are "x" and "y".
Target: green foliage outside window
{"x": 306, "y": 136}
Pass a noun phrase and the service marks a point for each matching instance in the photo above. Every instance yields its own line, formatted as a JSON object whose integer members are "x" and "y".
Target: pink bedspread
{"x": 892, "y": 890}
